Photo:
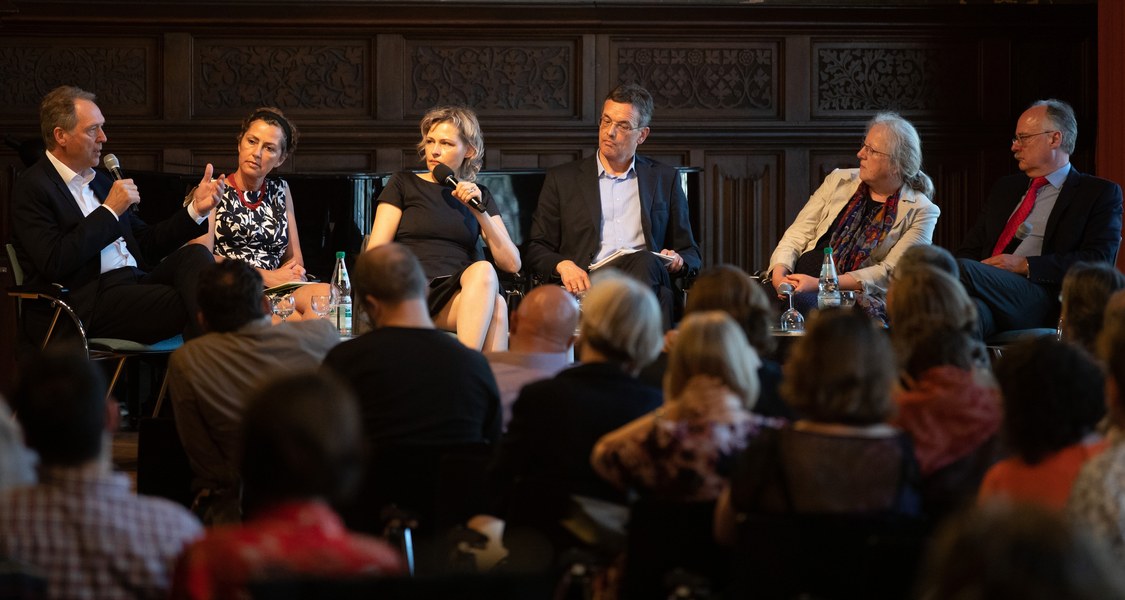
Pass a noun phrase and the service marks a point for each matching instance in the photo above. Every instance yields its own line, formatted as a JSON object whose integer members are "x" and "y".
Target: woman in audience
{"x": 303, "y": 448}
{"x": 544, "y": 457}
{"x": 1053, "y": 399}
{"x": 1086, "y": 289}
{"x": 869, "y": 216}
{"x": 255, "y": 221}
{"x": 442, "y": 225}
{"x": 949, "y": 403}
{"x": 841, "y": 457}
{"x": 683, "y": 451}
{"x": 1010, "y": 551}
{"x": 729, "y": 289}
{"x": 922, "y": 299}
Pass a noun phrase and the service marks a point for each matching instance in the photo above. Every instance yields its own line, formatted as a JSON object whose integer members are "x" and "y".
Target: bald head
{"x": 389, "y": 273}
{"x": 545, "y": 321}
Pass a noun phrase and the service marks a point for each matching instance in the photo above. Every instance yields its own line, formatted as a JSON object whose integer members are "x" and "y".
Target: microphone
{"x": 1023, "y": 231}
{"x": 444, "y": 175}
{"x": 114, "y": 166}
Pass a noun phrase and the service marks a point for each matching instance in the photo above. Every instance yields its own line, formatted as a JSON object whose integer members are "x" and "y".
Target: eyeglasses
{"x": 623, "y": 126}
{"x": 864, "y": 147}
{"x": 1021, "y": 138}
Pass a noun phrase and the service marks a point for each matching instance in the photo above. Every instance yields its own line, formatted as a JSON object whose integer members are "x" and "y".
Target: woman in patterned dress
{"x": 254, "y": 221}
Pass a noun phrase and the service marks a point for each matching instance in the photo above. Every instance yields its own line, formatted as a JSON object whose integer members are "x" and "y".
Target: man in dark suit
{"x": 615, "y": 199}
{"x": 1035, "y": 225}
{"x": 72, "y": 225}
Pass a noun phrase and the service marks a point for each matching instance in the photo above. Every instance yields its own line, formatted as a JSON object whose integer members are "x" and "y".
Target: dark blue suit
{"x": 1084, "y": 225}
{"x": 568, "y": 220}
{"x": 55, "y": 243}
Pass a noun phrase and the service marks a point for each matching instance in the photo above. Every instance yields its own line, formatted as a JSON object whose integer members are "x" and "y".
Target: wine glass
{"x": 283, "y": 306}
{"x": 791, "y": 320}
{"x": 321, "y": 305}
{"x": 848, "y": 298}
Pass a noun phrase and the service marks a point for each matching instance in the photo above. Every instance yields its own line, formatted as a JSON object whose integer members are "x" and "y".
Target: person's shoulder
{"x": 166, "y": 515}
{"x": 1092, "y": 180}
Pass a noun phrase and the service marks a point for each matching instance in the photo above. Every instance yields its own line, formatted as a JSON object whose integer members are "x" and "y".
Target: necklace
{"x": 245, "y": 199}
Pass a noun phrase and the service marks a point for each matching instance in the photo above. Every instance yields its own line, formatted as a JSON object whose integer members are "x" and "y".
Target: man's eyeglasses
{"x": 1021, "y": 138}
{"x": 622, "y": 126}
{"x": 864, "y": 147}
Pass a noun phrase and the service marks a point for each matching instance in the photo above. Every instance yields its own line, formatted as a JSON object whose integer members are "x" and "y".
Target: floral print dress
{"x": 253, "y": 226}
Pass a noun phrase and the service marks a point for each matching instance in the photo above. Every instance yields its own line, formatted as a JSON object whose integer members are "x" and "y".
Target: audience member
{"x": 303, "y": 449}
{"x": 683, "y": 452}
{"x": 729, "y": 289}
{"x": 617, "y": 199}
{"x": 1017, "y": 552}
{"x": 1097, "y": 501}
{"x": 254, "y": 220}
{"x": 1086, "y": 290}
{"x": 1014, "y": 258}
{"x": 1053, "y": 398}
{"x": 950, "y": 405}
{"x": 926, "y": 255}
{"x": 556, "y": 422}
{"x": 81, "y": 525}
{"x": 211, "y": 379}
{"x": 540, "y": 344}
{"x": 74, "y": 226}
{"x": 416, "y": 385}
{"x": 437, "y": 225}
{"x": 841, "y": 457}
{"x": 17, "y": 463}
{"x": 923, "y": 299}
{"x": 869, "y": 216}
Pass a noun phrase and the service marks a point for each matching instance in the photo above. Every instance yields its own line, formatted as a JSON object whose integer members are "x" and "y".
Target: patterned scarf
{"x": 856, "y": 237}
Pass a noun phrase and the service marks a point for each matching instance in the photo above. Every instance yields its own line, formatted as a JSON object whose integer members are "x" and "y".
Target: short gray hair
{"x": 905, "y": 152}
{"x": 621, "y": 320}
{"x": 1062, "y": 115}
{"x": 638, "y": 97}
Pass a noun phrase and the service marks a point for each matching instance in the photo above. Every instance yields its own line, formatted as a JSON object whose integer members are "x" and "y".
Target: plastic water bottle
{"x": 341, "y": 312}
{"x": 828, "y": 289}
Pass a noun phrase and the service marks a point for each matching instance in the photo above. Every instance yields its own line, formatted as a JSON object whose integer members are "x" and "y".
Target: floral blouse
{"x": 253, "y": 226}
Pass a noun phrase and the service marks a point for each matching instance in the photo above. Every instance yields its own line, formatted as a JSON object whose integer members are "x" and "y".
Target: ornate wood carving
{"x": 858, "y": 79}
{"x": 328, "y": 77}
{"x": 742, "y": 217}
{"x": 693, "y": 78}
{"x": 120, "y": 72}
{"x": 535, "y": 78}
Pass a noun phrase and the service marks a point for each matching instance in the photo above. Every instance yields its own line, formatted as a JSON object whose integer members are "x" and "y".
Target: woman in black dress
{"x": 440, "y": 225}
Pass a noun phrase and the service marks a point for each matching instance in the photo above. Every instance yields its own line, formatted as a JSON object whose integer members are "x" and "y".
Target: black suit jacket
{"x": 1085, "y": 225}
{"x": 55, "y": 243}
{"x": 567, "y": 221}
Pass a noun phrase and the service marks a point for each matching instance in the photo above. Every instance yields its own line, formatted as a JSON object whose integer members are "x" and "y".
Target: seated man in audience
{"x": 73, "y": 226}
{"x": 303, "y": 450}
{"x": 590, "y": 208}
{"x": 81, "y": 526}
{"x": 1031, "y": 230}
{"x": 211, "y": 377}
{"x": 541, "y": 337}
{"x": 416, "y": 385}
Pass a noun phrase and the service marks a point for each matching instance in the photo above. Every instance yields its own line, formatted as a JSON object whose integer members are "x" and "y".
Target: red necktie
{"x": 1020, "y": 215}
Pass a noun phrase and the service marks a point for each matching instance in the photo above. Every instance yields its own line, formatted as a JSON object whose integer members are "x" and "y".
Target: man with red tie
{"x": 1034, "y": 226}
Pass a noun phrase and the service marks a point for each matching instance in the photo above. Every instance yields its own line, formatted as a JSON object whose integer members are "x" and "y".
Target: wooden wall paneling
{"x": 742, "y": 218}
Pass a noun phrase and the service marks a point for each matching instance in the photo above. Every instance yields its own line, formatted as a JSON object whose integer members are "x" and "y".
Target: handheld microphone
{"x": 114, "y": 166}
{"x": 444, "y": 175}
{"x": 1023, "y": 231}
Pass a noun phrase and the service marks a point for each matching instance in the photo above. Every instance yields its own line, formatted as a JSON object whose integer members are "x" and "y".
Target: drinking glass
{"x": 791, "y": 320}
{"x": 847, "y": 298}
{"x": 283, "y": 306}
{"x": 321, "y": 305}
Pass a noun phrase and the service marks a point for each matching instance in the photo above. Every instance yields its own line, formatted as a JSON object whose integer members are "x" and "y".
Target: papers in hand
{"x": 616, "y": 254}
{"x": 285, "y": 288}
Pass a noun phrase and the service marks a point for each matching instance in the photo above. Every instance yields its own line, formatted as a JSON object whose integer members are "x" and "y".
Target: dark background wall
{"x": 765, "y": 98}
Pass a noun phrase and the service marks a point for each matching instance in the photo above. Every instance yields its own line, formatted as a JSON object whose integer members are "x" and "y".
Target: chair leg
{"x": 160, "y": 396}
{"x": 116, "y": 375}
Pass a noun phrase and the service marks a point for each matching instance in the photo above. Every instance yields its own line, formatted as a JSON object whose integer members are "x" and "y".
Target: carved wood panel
{"x": 531, "y": 78}
{"x": 702, "y": 79}
{"x": 742, "y": 218}
{"x": 325, "y": 77}
{"x": 124, "y": 72}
